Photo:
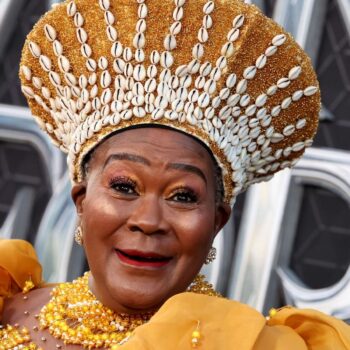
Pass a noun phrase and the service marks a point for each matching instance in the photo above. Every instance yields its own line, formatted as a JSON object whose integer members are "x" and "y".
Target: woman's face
{"x": 148, "y": 215}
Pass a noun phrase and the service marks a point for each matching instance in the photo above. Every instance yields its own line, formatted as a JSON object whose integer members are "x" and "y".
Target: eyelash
{"x": 119, "y": 182}
{"x": 184, "y": 191}
{"x": 124, "y": 185}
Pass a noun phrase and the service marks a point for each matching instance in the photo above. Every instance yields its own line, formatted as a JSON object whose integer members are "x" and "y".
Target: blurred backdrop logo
{"x": 288, "y": 240}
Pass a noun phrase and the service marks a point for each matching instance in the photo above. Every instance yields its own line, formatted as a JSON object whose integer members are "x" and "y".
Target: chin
{"x": 140, "y": 296}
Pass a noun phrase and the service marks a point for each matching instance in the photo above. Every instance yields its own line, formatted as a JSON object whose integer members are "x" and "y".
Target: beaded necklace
{"x": 76, "y": 317}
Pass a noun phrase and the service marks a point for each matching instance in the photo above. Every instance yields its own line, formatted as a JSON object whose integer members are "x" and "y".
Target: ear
{"x": 222, "y": 215}
{"x": 78, "y": 194}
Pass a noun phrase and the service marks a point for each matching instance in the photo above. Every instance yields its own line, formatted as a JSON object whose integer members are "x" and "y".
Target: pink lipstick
{"x": 142, "y": 259}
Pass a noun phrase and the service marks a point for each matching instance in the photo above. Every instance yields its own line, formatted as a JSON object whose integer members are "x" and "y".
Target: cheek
{"x": 195, "y": 231}
{"x": 101, "y": 216}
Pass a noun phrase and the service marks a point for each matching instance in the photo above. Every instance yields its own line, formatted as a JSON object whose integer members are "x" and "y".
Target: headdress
{"x": 218, "y": 70}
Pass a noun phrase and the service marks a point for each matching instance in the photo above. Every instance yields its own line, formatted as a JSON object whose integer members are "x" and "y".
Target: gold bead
{"x": 273, "y": 312}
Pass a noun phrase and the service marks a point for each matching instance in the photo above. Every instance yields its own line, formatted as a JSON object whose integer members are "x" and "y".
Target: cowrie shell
{"x": 57, "y": 48}
{"x": 276, "y": 111}
{"x": 276, "y": 138}
{"x": 50, "y": 32}
{"x": 71, "y": 79}
{"x": 109, "y": 18}
{"x": 142, "y": 11}
{"x": 238, "y": 21}
{"x": 228, "y": 50}
{"x": 127, "y": 54}
{"x": 178, "y": 13}
{"x": 244, "y": 101}
{"x": 55, "y": 79}
{"x": 45, "y": 63}
{"x": 215, "y": 103}
{"x": 249, "y": 73}
{"x": 283, "y": 83}
{"x": 139, "y": 72}
{"x": 166, "y": 59}
{"x": 208, "y": 8}
{"x": 261, "y": 100}
{"x": 231, "y": 80}
{"x": 117, "y": 49}
{"x": 28, "y": 91}
{"x": 301, "y": 124}
{"x": 294, "y": 73}
{"x": 63, "y": 64}
{"x": 205, "y": 69}
{"x": 106, "y": 96}
{"x": 26, "y": 71}
{"x": 261, "y": 62}
{"x": 233, "y": 35}
{"x": 82, "y": 35}
{"x": 221, "y": 62}
{"x": 297, "y": 147}
{"x": 139, "y": 55}
{"x": 289, "y": 130}
{"x": 78, "y": 20}
{"x": 233, "y": 100}
{"x": 112, "y": 33}
{"x": 104, "y": 4}
{"x": 297, "y": 95}
{"x": 311, "y": 90}
{"x": 270, "y": 51}
{"x": 204, "y": 100}
{"x": 86, "y": 50}
{"x": 170, "y": 42}
{"x": 106, "y": 79}
{"x": 279, "y": 40}
{"x": 207, "y": 22}
{"x": 34, "y": 49}
{"x": 250, "y": 111}
{"x": 175, "y": 28}
{"x": 91, "y": 65}
{"x": 272, "y": 90}
{"x": 242, "y": 86}
{"x": 203, "y": 35}
{"x": 139, "y": 41}
{"x": 286, "y": 102}
{"x": 71, "y": 9}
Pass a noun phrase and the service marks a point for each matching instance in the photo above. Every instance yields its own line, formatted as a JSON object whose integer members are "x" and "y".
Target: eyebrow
{"x": 138, "y": 159}
{"x": 188, "y": 168}
{"x": 126, "y": 156}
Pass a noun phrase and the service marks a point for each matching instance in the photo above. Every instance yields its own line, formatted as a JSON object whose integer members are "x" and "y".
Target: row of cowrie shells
{"x": 175, "y": 28}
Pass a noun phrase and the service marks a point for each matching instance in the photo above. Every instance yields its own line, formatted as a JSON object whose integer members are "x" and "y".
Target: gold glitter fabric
{"x": 218, "y": 70}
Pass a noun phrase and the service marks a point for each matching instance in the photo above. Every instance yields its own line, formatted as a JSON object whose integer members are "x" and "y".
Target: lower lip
{"x": 129, "y": 261}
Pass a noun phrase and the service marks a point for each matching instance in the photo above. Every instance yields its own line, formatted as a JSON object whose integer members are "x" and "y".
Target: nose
{"x": 148, "y": 216}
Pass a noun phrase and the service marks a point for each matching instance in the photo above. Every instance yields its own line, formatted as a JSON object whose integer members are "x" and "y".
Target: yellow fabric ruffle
{"x": 227, "y": 325}
{"x": 18, "y": 264}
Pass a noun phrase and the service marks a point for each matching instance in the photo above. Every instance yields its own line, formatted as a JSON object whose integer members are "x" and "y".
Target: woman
{"x": 163, "y": 127}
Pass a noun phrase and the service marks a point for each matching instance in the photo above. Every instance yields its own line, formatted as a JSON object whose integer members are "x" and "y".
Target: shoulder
{"x": 22, "y": 307}
{"x": 19, "y": 268}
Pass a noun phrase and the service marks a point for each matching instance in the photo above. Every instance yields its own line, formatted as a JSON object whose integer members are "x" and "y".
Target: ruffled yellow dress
{"x": 224, "y": 324}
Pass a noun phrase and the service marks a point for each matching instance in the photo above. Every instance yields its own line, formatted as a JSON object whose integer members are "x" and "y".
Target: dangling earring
{"x": 211, "y": 256}
{"x": 78, "y": 235}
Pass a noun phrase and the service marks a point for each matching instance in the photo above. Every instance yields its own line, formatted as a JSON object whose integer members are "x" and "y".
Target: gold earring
{"x": 211, "y": 256}
{"x": 78, "y": 235}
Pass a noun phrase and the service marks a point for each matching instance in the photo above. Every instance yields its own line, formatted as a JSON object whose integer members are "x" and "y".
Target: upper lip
{"x": 143, "y": 254}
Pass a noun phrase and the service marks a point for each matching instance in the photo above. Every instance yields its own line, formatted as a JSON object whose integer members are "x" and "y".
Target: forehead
{"x": 159, "y": 145}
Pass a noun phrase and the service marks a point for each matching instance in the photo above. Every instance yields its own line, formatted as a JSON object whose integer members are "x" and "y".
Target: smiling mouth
{"x": 142, "y": 259}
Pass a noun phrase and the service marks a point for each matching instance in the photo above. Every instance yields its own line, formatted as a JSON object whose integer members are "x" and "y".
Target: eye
{"x": 123, "y": 185}
{"x": 184, "y": 196}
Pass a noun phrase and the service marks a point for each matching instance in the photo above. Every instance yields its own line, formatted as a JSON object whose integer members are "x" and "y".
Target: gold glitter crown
{"x": 218, "y": 70}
